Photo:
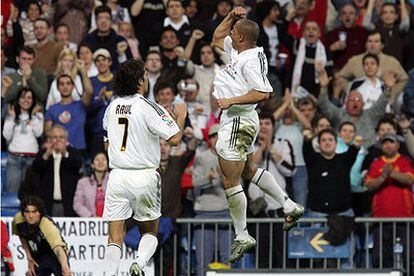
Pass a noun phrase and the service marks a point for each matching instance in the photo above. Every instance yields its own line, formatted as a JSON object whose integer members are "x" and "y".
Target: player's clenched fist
{"x": 224, "y": 104}
{"x": 238, "y": 12}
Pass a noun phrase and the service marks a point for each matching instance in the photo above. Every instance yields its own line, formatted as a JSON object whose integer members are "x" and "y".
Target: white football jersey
{"x": 134, "y": 126}
{"x": 245, "y": 72}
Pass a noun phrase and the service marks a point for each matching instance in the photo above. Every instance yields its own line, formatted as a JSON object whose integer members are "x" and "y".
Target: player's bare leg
{"x": 266, "y": 182}
{"x": 231, "y": 173}
{"x": 147, "y": 246}
{"x": 114, "y": 248}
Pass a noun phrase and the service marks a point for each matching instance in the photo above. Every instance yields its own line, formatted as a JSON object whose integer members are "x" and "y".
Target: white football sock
{"x": 268, "y": 184}
{"x": 112, "y": 258}
{"x": 146, "y": 248}
{"x": 238, "y": 210}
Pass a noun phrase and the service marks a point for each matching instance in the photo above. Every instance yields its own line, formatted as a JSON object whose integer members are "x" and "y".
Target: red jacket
{"x": 5, "y": 251}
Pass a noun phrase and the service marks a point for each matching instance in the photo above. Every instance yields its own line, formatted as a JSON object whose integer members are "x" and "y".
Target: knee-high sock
{"x": 238, "y": 204}
{"x": 112, "y": 258}
{"x": 146, "y": 248}
{"x": 268, "y": 184}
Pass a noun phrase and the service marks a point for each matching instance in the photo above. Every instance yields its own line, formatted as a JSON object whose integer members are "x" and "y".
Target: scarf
{"x": 300, "y": 58}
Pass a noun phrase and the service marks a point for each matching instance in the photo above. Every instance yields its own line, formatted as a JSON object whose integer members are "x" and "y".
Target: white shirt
{"x": 22, "y": 137}
{"x": 135, "y": 125}
{"x": 245, "y": 72}
{"x": 57, "y": 192}
{"x": 54, "y": 94}
{"x": 176, "y": 26}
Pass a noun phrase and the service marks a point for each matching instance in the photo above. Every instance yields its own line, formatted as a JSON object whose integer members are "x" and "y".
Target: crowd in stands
{"x": 337, "y": 133}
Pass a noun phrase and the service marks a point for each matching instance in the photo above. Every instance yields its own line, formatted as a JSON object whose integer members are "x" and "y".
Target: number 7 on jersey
{"x": 124, "y": 121}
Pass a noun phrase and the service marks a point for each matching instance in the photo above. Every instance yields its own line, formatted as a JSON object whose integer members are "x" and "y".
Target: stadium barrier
{"x": 303, "y": 249}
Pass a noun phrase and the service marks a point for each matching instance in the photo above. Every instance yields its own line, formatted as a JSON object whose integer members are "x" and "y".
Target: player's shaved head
{"x": 248, "y": 28}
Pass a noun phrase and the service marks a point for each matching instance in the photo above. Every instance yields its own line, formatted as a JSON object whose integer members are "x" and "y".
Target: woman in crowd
{"x": 125, "y": 29}
{"x": 85, "y": 53}
{"x": 23, "y": 125}
{"x": 70, "y": 65}
{"x": 90, "y": 193}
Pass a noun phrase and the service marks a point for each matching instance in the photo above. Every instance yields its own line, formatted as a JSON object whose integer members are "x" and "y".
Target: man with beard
{"x": 364, "y": 120}
{"x": 346, "y": 40}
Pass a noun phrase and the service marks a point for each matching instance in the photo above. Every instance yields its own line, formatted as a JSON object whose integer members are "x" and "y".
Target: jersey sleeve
{"x": 255, "y": 73}
{"x": 51, "y": 233}
{"x": 159, "y": 121}
{"x": 227, "y": 45}
{"x": 105, "y": 118}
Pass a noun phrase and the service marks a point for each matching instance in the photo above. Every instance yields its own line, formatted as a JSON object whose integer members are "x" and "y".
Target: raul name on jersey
{"x": 122, "y": 109}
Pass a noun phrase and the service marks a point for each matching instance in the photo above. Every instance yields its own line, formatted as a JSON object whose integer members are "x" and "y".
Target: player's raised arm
{"x": 223, "y": 29}
{"x": 180, "y": 112}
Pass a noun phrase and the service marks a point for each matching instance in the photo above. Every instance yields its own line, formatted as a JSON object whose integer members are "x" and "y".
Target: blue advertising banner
{"x": 308, "y": 242}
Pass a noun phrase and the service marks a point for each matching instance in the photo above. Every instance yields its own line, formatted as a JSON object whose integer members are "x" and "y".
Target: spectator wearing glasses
{"x": 58, "y": 165}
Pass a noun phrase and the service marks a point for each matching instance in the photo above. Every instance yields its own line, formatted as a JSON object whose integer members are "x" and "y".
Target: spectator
{"x": 346, "y": 137}
{"x": 45, "y": 249}
{"x": 393, "y": 34}
{"x": 346, "y": 40}
{"x": 308, "y": 108}
{"x": 119, "y": 14}
{"x": 177, "y": 20}
{"x": 69, "y": 113}
{"x": 5, "y": 70}
{"x": 27, "y": 76}
{"x": 387, "y": 65}
{"x": 6, "y": 255}
{"x": 47, "y": 50}
{"x": 305, "y": 11}
{"x": 318, "y": 124}
{"x": 90, "y": 192}
{"x": 85, "y": 53}
{"x": 105, "y": 37}
{"x": 386, "y": 125}
{"x": 406, "y": 129}
{"x": 76, "y": 14}
{"x": 25, "y": 25}
{"x": 23, "y": 125}
{"x": 204, "y": 74}
{"x": 164, "y": 93}
{"x": 172, "y": 56}
{"x": 209, "y": 202}
{"x": 62, "y": 35}
{"x": 391, "y": 178}
{"x": 223, "y": 7}
{"x": 102, "y": 96}
{"x": 144, "y": 13}
{"x": 70, "y": 65}
{"x": 188, "y": 92}
{"x": 58, "y": 167}
{"x": 192, "y": 9}
{"x": 154, "y": 67}
{"x": 125, "y": 29}
{"x": 288, "y": 129}
{"x": 364, "y": 120}
{"x": 329, "y": 181}
{"x": 361, "y": 6}
{"x": 369, "y": 86}
{"x": 310, "y": 54}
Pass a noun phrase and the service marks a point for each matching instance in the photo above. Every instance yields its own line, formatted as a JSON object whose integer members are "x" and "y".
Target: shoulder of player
{"x": 147, "y": 104}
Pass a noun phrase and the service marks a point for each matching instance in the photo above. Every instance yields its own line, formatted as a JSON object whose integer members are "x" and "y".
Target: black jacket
{"x": 69, "y": 176}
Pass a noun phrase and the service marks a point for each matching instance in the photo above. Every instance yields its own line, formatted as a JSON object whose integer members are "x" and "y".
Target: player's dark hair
{"x": 127, "y": 77}
{"x": 267, "y": 115}
{"x": 373, "y": 56}
{"x": 325, "y": 131}
{"x": 33, "y": 201}
{"x": 347, "y": 123}
{"x": 103, "y": 9}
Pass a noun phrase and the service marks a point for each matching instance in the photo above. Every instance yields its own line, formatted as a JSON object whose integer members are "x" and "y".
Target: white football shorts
{"x": 236, "y": 136}
{"x": 135, "y": 192}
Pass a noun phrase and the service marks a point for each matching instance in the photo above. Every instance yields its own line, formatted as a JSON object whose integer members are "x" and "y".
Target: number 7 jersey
{"x": 134, "y": 127}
